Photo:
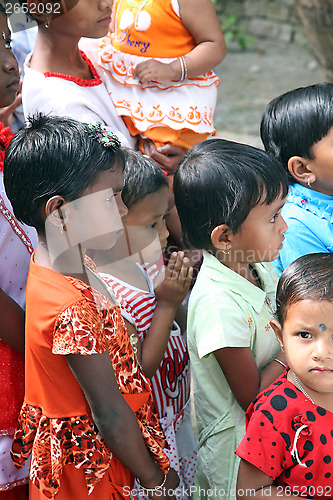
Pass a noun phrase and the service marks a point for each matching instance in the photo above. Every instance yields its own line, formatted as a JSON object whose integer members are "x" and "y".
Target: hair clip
{"x": 105, "y": 137}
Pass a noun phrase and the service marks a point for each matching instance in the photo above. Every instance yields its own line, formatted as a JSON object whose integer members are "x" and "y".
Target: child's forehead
{"x": 311, "y": 310}
{"x": 266, "y": 206}
{"x": 156, "y": 198}
{"x": 326, "y": 137}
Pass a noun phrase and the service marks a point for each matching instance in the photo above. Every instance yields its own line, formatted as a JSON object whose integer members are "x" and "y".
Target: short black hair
{"x": 12, "y": 4}
{"x": 309, "y": 277}
{"x": 219, "y": 182}
{"x": 52, "y": 156}
{"x": 293, "y": 122}
{"x": 141, "y": 177}
{"x": 4, "y": 4}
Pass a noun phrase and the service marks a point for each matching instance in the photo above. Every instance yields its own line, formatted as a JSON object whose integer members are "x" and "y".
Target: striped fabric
{"x": 171, "y": 382}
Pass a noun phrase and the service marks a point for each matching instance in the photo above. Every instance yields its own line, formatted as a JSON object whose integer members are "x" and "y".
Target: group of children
{"x": 106, "y": 411}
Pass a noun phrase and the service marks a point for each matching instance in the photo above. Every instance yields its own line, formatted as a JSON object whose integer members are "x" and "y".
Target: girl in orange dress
{"x": 87, "y": 421}
{"x": 159, "y": 57}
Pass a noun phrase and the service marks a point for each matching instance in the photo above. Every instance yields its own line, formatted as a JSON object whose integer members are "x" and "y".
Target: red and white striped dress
{"x": 171, "y": 382}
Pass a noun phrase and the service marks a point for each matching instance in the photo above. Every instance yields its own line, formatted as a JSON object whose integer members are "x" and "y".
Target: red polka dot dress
{"x": 291, "y": 440}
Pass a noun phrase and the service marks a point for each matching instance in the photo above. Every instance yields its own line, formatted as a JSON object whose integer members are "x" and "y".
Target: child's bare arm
{"x": 252, "y": 482}
{"x": 169, "y": 295}
{"x": 181, "y": 317}
{"x": 12, "y": 322}
{"x": 200, "y": 19}
{"x": 116, "y": 421}
{"x": 240, "y": 370}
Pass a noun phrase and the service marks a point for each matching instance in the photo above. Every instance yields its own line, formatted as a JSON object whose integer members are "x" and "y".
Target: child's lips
{"x": 14, "y": 84}
{"x": 105, "y": 20}
{"x": 281, "y": 246}
{"x": 321, "y": 369}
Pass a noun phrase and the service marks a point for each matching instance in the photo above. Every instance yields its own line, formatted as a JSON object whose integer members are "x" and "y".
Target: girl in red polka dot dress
{"x": 287, "y": 451}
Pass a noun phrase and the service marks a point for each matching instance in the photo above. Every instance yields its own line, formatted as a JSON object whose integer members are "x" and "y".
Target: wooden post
{"x": 317, "y": 19}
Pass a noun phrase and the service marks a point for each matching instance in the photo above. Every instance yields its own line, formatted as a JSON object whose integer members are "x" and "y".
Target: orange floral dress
{"x": 66, "y": 316}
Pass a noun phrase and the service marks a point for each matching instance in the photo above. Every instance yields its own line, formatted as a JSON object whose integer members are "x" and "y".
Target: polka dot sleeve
{"x": 290, "y": 439}
{"x": 79, "y": 330}
{"x": 264, "y": 446}
{"x": 279, "y": 430}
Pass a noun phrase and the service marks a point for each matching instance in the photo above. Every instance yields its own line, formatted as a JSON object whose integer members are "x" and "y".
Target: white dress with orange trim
{"x": 65, "y": 95}
{"x": 180, "y": 112}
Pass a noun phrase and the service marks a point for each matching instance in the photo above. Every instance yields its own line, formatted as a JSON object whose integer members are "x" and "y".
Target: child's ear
{"x": 277, "y": 330}
{"x": 40, "y": 10}
{"x": 300, "y": 169}
{"x": 220, "y": 238}
{"x": 55, "y": 211}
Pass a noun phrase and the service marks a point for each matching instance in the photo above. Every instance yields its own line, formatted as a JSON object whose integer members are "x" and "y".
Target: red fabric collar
{"x": 6, "y": 136}
{"x": 79, "y": 81}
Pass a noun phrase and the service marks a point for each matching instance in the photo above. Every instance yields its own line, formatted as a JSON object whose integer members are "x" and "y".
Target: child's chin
{"x": 104, "y": 242}
{"x": 152, "y": 256}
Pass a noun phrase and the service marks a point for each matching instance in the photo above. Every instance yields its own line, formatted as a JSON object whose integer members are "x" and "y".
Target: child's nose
{"x": 284, "y": 225}
{"x": 103, "y": 4}
{"x": 10, "y": 63}
{"x": 323, "y": 349}
{"x": 122, "y": 208}
{"x": 163, "y": 232}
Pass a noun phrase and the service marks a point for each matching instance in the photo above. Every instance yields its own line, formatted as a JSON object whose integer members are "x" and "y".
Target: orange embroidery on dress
{"x": 267, "y": 327}
{"x": 250, "y": 321}
{"x": 174, "y": 113}
{"x": 155, "y": 113}
{"x": 194, "y": 116}
{"x": 120, "y": 69}
{"x": 156, "y": 116}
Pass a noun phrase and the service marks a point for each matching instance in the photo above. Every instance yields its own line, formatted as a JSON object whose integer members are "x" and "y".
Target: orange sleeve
{"x": 79, "y": 329}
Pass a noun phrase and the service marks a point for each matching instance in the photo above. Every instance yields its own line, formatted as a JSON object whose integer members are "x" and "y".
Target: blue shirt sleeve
{"x": 302, "y": 239}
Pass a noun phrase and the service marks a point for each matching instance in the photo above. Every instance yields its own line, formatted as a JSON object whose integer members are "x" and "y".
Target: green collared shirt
{"x": 225, "y": 310}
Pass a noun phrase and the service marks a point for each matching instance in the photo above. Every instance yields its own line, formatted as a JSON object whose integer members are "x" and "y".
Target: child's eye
{"x": 8, "y": 43}
{"x": 273, "y": 219}
{"x": 304, "y": 335}
{"x": 153, "y": 225}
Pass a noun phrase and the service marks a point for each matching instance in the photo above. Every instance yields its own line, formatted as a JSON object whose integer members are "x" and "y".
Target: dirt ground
{"x": 251, "y": 78}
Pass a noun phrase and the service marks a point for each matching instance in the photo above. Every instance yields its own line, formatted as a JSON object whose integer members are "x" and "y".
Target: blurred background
{"x": 273, "y": 46}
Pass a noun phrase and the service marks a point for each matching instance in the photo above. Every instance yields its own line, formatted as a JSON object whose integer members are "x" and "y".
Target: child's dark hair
{"x": 3, "y": 5}
{"x": 141, "y": 177}
{"x": 293, "y": 122}
{"x": 7, "y": 7}
{"x": 310, "y": 277}
{"x": 53, "y": 156}
{"x": 219, "y": 182}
